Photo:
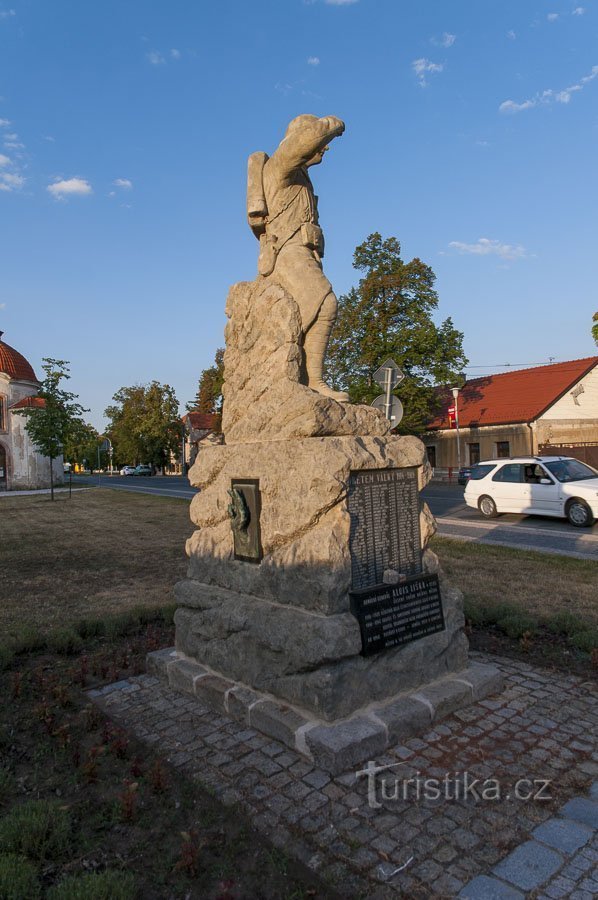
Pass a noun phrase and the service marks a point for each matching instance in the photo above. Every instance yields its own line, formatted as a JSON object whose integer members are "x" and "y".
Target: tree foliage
{"x": 595, "y": 327}
{"x": 82, "y": 444}
{"x": 389, "y": 314}
{"x": 51, "y": 426}
{"x": 145, "y": 426}
{"x": 208, "y": 398}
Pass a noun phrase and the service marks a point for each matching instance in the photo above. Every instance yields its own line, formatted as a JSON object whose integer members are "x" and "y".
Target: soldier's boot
{"x": 315, "y": 345}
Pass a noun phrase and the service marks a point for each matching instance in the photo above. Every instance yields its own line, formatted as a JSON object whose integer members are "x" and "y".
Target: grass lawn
{"x": 86, "y": 811}
{"x": 531, "y": 604}
{"x": 99, "y": 553}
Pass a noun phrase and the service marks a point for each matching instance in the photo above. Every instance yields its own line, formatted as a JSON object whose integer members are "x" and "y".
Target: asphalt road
{"x": 542, "y": 533}
{"x": 454, "y": 518}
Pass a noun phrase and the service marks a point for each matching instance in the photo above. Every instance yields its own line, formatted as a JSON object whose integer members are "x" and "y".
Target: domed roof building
{"x": 21, "y": 466}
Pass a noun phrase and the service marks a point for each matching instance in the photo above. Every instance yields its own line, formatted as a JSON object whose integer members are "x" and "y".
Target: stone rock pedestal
{"x": 273, "y": 643}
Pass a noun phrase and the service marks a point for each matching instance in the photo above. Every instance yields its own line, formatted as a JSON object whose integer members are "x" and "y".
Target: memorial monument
{"x": 313, "y": 609}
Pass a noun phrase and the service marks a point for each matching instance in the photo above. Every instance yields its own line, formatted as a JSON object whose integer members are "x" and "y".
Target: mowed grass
{"x": 540, "y": 584}
{"x": 97, "y": 554}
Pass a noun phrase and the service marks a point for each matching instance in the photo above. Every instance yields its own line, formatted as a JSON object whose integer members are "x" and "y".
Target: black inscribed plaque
{"x": 384, "y": 509}
{"x": 391, "y": 615}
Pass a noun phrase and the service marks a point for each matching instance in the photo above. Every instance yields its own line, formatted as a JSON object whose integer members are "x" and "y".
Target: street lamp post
{"x": 456, "y": 398}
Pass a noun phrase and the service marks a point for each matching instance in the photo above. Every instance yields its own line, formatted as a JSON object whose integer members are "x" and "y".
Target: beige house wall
{"x": 577, "y": 405}
{"x": 445, "y": 442}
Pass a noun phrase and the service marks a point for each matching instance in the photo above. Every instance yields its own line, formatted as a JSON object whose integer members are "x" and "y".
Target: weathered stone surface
{"x": 311, "y": 661}
{"x": 156, "y": 661}
{"x": 445, "y": 696}
{"x": 263, "y": 399}
{"x": 211, "y": 690}
{"x": 338, "y": 747}
{"x": 404, "y": 718}
{"x": 183, "y": 673}
{"x": 279, "y": 722}
{"x": 304, "y": 521}
{"x": 484, "y": 680}
{"x": 239, "y": 700}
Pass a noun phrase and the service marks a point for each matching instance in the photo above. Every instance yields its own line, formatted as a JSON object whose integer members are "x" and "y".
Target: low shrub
{"x": 516, "y": 624}
{"x": 18, "y": 878}
{"x": 89, "y": 628}
{"x": 7, "y": 655}
{"x": 108, "y": 885}
{"x": 563, "y": 623}
{"x": 585, "y": 639}
{"x": 26, "y": 639}
{"x": 64, "y": 641}
{"x": 38, "y": 829}
{"x": 7, "y": 784}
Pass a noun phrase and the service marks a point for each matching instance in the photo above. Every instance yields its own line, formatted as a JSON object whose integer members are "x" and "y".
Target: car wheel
{"x": 487, "y": 507}
{"x": 579, "y": 514}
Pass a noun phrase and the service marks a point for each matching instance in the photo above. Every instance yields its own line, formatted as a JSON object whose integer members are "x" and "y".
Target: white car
{"x": 535, "y": 485}
{"x": 127, "y": 470}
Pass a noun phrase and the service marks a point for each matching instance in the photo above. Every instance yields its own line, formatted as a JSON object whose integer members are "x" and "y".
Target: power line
{"x": 510, "y": 365}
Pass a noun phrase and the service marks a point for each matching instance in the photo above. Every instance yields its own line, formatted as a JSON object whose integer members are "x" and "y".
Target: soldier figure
{"x": 283, "y": 214}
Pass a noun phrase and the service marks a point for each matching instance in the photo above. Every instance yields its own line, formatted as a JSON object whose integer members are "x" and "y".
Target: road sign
{"x": 380, "y": 376}
{"x": 396, "y": 409}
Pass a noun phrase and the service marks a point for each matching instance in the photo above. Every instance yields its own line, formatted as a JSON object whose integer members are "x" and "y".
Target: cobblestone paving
{"x": 391, "y": 833}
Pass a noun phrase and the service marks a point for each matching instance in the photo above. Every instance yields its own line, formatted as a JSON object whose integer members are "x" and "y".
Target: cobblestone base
{"x": 380, "y": 831}
{"x": 334, "y": 746}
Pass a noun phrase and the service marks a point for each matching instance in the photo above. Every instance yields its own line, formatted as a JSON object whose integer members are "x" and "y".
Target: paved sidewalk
{"x": 505, "y": 789}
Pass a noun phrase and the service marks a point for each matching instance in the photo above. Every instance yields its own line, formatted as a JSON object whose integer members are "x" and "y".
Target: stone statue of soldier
{"x": 282, "y": 211}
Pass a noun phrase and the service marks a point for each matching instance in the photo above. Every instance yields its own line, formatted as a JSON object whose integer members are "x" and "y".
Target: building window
{"x": 474, "y": 454}
{"x": 431, "y": 451}
{"x": 503, "y": 449}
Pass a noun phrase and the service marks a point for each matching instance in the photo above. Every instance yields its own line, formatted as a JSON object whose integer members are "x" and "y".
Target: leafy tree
{"x": 389, "y": 314}
{"x": 50, "y": 426}
{"x": 208, "y": 398}
{"x": 145, "y": 425}
{"x": 595, "y": 327}
{"x": 82, "y": 444}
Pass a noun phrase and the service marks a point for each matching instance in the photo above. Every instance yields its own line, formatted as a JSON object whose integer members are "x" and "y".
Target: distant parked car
{"x": 536, "y": 485}
{"x": 142, "y": 470}
{"x": 127, "y": 470}
{"x": 464, "y": 474}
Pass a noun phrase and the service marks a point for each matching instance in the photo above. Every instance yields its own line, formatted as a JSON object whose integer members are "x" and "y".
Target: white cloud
{"x": 552, "y": 17}
{"x": 313, "y": 60}
{"x": 487, "y": 247}
{"x": 512, "y": 35}
{"x": 4, "y": 123}
{"x": 156, "y": 58}
{"x": 2, "y": 305}
{"x": 11, "y": 182}
{"x": 123, "y": 183}
{"x": 48, "y": 137}
{"x": 549, "y": 96}
{"x": 4, "y": 160}
{"x": 340, "y": 2}
{"x": 423, "y": 66}
{"x": 578, "y": 11}
{"x": 447, "y": 39}
{"x": 70, "y": 186}
{"x": 7, "y": 13}
{"x": 175, "y": 54}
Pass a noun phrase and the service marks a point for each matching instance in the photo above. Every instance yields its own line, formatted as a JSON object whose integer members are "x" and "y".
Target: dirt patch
{"x": 98, "y": 553}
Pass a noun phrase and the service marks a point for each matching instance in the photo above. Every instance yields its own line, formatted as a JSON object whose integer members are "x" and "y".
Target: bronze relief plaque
{"x": 244, "y": 512}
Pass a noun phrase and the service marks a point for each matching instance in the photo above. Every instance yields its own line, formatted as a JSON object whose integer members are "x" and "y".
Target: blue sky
{"x": 471, "y": 137}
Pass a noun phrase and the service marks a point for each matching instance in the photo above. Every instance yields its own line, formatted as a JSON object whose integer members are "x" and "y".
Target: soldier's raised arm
{"x": 305, "y": 139}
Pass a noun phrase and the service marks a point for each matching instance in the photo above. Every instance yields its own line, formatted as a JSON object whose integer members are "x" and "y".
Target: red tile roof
{"x": 201, "y": 421}
{"x": 520, "y": 396}
{"x": 14, "y": 364}
{"x": 29, "y": 403}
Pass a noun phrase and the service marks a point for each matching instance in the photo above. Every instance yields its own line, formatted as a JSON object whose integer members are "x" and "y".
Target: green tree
{"x": 82, "y": 444}
{"x": 389, "y": 314}
{"x": 595, "y": 327}
{"x": 145, "y": 425}
{"x": 208, "y": 398}
{"x": 50, "y": 426}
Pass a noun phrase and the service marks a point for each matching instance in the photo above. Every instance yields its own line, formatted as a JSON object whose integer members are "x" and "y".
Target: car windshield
{"x": 570, "y": 470}
{"x": 481, "y": 471}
